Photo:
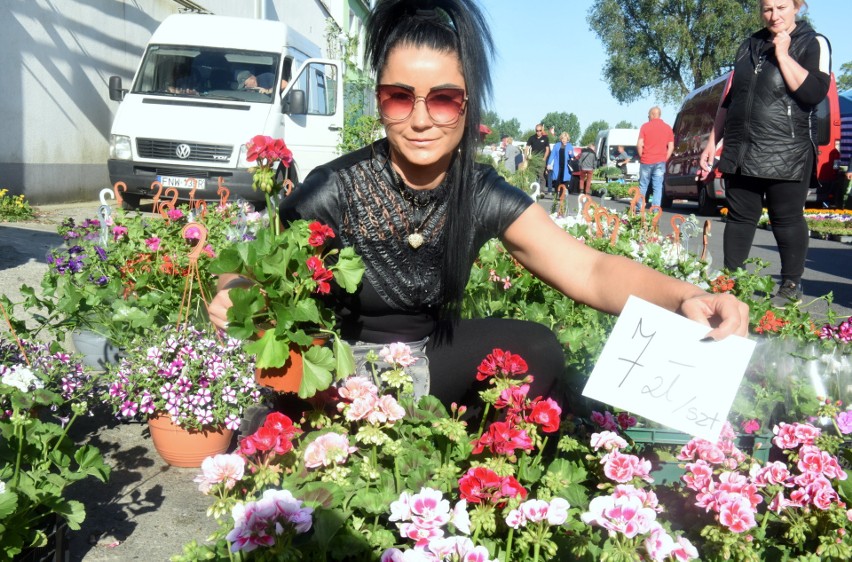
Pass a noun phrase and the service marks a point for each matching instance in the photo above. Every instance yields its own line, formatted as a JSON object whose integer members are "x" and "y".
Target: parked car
{"x": 684, "y": 178}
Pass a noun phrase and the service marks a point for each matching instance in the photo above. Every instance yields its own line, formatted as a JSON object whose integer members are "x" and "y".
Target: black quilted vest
{"x": 767, "y": 132}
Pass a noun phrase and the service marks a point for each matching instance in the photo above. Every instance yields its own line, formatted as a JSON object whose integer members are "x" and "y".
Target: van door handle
{"x": 334, "y": 128}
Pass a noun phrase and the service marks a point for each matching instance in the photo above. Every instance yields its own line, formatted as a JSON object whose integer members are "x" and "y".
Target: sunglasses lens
{"x": 395, "y": 103}
{"x": 445, "y": 106}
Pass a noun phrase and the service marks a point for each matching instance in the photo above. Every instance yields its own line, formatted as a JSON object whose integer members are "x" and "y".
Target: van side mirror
{"x": 295, "y": 103}
{"x": 116, "y": 93}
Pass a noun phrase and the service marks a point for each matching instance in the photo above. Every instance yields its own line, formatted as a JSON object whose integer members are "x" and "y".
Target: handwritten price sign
{"x": 656, "y": 365}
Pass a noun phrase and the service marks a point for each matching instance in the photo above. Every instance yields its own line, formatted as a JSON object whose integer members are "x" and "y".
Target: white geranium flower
{"x": 22, "y": 378}
{"x": 2, "y": 487}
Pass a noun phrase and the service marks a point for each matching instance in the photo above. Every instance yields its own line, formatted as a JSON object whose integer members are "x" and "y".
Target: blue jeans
{"x": 653, "y": 174}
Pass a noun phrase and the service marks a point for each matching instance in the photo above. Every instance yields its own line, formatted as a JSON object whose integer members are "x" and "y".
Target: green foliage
{"x": 38, "y": 461}
{"x": 123, "y": 280}
{"x": 667, "y": 48}
{"x": 500, "y": 127}
{"x": 562, "y": 122}
{"x": 625, "y": 125}
{"x": 592, "y": 130}
{"x": 844, "y": 78}
{"x": 289, "y": 272}
{"x": 14, "y": 207}
{"x": 358, "y": 130}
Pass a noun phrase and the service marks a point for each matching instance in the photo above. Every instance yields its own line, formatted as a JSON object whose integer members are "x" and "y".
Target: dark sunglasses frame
{"x": 413, "y": 100}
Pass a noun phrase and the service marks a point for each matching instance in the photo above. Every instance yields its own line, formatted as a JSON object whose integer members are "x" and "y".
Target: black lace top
{"x": 369, "y": 207}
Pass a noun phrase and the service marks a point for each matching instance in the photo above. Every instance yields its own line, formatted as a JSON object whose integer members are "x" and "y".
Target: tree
{"x": 667, "y": 48}
{"x": 591, "y": 132}
{"x": 625, "y": 125}
{"x": 844, "y": 79}
{"x": 561, "y": 121}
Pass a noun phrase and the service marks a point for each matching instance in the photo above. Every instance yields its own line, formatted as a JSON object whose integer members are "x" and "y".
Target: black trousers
{"x": 785, "y": 201}
{"x": 453, "y": 364}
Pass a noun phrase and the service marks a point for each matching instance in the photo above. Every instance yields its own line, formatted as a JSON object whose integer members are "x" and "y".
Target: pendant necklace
{"x": 416, "y": 238}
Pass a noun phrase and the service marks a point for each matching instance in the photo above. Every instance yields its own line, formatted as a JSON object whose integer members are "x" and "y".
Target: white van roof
{"x": 209, "y": 30}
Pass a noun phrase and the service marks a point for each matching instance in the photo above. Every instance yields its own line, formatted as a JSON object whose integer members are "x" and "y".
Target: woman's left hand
{"x": 724, "y": 313}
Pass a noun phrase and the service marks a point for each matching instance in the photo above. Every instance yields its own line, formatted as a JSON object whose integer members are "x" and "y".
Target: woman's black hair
{"x": 455, "y": 26}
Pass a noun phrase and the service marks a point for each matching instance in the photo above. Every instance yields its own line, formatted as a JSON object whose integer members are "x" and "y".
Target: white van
{"x": 606, "y": 147}
{"x": 191, "y": 109}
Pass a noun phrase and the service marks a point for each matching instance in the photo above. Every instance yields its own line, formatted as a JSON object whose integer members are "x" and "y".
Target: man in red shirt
{"x": 655, "y": 146}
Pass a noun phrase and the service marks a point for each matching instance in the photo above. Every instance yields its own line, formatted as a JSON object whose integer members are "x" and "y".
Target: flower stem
{"x": 19, "y": 434}
{"x": 508, "y": 556}
{"x": 536, "y": 549}
{"x": 482, "y": 421}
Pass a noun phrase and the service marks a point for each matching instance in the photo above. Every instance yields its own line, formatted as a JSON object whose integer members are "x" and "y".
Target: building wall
{"x": 55, "y": 108}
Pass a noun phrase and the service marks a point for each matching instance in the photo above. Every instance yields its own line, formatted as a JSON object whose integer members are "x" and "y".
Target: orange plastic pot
{"x": 183, "y": 448}
{"x": 288, "y": 377}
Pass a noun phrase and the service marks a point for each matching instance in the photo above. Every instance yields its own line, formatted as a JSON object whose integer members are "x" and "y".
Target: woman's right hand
{"x": 218, "y": 309}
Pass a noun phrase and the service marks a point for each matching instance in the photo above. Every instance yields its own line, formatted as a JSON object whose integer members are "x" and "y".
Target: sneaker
{"x": 788, "y": 293}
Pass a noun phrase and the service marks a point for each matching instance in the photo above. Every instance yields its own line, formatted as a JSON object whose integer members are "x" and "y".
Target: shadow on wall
{"x": 55, "y": 90}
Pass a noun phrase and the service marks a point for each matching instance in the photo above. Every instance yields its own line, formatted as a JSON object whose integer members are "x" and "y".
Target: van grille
{"x": 167, "y": 150}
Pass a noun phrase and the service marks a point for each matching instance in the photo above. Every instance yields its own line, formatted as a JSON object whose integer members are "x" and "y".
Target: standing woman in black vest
{"x": 781, "y": 73}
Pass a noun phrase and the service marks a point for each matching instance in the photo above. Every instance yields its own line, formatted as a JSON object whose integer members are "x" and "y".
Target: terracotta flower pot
{"x": 288, "y": 377}
{"x": 183, "y": 448}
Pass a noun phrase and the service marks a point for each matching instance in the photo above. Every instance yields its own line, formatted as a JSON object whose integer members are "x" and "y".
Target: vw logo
{"x": 183, "y": 151}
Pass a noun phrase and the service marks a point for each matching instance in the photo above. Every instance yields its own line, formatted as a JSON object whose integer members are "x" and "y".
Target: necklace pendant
{"x": 415, "y": 240}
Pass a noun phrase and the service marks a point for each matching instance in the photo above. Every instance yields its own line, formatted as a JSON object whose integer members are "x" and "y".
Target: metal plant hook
{"x": 604, "y": 193}
{"x": 104, "y": 213}
{"x": 106, "y": 193}
{"x": 688, "y": 230}
{"x": 535, "y": 190}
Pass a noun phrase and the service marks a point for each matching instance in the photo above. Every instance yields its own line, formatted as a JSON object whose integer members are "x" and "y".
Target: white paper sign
{"x": 656, "y": 365}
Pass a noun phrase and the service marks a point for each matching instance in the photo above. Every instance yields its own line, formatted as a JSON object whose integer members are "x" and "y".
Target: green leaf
{"x": 268, "y": 351}
{"x": 349, "y": 270}
{"x": 8, "y": 503}
{"x": 317, "y": 364}
{"x": 92, "y": 463}
{"x": 344, "y": 357}
{"x": 228, "y": 261}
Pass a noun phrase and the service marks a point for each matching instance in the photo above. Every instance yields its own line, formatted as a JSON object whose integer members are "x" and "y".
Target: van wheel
{"x": 706, "y": 204}
{"x": 130, "y": 201}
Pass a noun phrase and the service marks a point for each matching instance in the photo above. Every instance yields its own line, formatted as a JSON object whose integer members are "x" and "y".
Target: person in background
{"x": 781, "y": 73}
{"x": 586, "y": 161}
{"x": 558, "y": 163}
{"x": 261, "y": 83}
{"x": 417, "y": 208}
{"x": 512, "y": 156}
{"x": 621, "y": 160}
{"x": 655, "y": 146}
{"x": 539, "y": 144}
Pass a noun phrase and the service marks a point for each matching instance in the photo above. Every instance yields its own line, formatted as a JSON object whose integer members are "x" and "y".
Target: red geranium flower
{"x": 545, "y": 413}
{"x": 483, "y": 485}
{"x": 502, "y": 439}
{"x": 319, "y": 234}
{"x": 320, "y": 274}
{"x": 769, "y": 323}
{"x": 500, "y": 362}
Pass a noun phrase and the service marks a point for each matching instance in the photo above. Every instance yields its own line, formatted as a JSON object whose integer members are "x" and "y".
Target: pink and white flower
{"x": 327, "y": 449}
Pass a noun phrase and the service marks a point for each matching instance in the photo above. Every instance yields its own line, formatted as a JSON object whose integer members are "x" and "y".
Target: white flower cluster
{"x": 20, "y": 377}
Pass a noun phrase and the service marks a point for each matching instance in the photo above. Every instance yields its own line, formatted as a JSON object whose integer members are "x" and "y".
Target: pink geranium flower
{"x": 220, "y": 469}
{"x": 844, "y": 422}
{"x": 737, "y": 514}
{"x": 327, "y": 449}
{"x": 153, "y": 243}
{"x": 608, "y": 441}
{"x": 397, "y": 354}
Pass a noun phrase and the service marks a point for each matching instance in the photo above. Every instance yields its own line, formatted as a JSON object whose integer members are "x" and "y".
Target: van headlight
{"x": 119, "y": 147}
{"x": 242, "y": 160}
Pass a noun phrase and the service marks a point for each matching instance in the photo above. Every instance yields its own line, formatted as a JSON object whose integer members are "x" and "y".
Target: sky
{"x": 532, "y": 80}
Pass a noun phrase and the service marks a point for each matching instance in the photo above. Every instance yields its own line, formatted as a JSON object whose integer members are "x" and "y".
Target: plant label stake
{"x": 119, "y": 186}
{"x": 677, "y": 220}
{"x": 104, "y": 212}
{"x": 604, "y": 193}
{"x": 167, "y": 206}
{"x": 106, "y": 193}
{"x": 535, "y": 190}
{"x": 688, "y": 231}
{"x": 155, "y": 208}
{"x": 705, "y": 239}
{"x": 223, "y": 192}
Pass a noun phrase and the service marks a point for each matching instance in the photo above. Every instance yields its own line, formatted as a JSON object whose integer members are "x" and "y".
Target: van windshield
{"x": 630, "y": 150}
{"x": 187, "y": 71}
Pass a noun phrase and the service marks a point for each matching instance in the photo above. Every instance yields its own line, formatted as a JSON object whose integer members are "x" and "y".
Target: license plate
{"x": 182, "y": 183}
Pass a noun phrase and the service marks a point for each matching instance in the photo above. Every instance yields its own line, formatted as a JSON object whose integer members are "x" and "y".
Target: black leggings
{"x": 452, "y": 365}
{"x": 785, "y": 201}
